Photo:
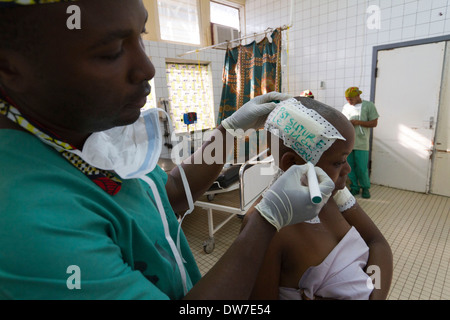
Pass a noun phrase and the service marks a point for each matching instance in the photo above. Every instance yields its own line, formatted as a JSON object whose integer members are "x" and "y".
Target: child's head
{"x": 334, "y": 160}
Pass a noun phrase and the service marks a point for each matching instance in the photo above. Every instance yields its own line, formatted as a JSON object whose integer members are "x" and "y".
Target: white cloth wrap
{"x": 340, "y": 276}
{"x": 302, "y": 129}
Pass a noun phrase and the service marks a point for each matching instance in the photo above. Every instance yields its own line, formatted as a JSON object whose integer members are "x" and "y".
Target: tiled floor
{"x": 416, "y": 225}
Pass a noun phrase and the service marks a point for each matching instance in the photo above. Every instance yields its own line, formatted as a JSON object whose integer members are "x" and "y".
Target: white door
{"x": 407, "y": 98}
{"x": 440, "y": 178}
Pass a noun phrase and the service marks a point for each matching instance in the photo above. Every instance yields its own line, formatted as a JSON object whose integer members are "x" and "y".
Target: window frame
{"x": 240, "y": 8}
{"x": 153, "y": 28}
{"x": 206, "y": 64}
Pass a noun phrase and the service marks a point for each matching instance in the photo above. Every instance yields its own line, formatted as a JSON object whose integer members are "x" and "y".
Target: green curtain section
{"x": 250, "y": 71}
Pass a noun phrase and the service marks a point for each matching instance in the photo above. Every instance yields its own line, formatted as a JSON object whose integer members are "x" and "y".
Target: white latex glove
{"x": 288, "y": 201}
{"x": 254, "y": 113}
{"x": 344, "y": 199}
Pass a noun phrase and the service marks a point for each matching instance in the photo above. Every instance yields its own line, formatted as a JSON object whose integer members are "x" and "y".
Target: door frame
{"x": 373, "y": 82}
{"x": 396, "y": 46}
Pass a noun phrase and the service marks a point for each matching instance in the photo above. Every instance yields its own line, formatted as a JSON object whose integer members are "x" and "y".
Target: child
{"x": 325, "y": 260}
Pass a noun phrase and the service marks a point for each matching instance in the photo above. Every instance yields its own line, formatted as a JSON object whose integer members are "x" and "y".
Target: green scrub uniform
{"x": 359, "y": 158}
{"x": 59, "y": 229}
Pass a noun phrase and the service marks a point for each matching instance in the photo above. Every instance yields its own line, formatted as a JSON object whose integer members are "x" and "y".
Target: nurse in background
{"x": 364, "y": 116}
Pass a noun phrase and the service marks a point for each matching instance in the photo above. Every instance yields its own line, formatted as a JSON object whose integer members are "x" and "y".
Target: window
{"x": 225, "y": 15}
{"x": 190, "y": 90}
{"x": 189, "y": 21}
{"x": 151, "y": 98}
{"x": 179, "y": 21}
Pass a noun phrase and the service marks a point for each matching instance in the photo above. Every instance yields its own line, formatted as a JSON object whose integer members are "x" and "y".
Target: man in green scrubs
{"x": 364, "y": 116}
{"x": 69, "y": 230}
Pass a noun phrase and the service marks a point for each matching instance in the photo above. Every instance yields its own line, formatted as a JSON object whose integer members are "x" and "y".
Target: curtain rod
{"x": 235, "y": 40}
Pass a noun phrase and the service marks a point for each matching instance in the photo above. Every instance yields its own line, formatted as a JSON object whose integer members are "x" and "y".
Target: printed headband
{"x": 19, "y": 3}
{"x": 302, "y": 129}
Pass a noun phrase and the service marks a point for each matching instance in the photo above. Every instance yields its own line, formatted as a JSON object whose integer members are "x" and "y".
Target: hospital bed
{"x": 251, "y": 178}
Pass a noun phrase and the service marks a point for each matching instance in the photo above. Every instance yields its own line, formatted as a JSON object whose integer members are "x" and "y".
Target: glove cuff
{"x": 239, "y": 133}
{"x": 263, "y": 212}
{"x": 226, "y": 125}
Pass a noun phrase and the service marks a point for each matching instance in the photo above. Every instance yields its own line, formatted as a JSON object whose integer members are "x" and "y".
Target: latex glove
{"x": 254, "y": 113}
{"x": 288, "y": 201}
{"x": 344, "y": 199}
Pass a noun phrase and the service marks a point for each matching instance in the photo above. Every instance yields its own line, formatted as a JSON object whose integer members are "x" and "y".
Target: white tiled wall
{"x": 160, "y": 51}
{"x": 329, "y": 40}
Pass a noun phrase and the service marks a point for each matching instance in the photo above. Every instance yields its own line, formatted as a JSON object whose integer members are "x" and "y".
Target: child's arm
{"x": 380, "y": 254}
{"x": 268, "y": 281}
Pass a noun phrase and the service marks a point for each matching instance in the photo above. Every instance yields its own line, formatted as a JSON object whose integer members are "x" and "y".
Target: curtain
{"x": 250, "y": 71}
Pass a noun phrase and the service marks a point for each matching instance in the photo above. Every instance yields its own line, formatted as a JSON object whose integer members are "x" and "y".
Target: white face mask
{"x": 131, "y": 151}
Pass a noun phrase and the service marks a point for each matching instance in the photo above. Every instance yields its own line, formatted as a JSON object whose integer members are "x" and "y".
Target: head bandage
{"x": 302, "y": 129}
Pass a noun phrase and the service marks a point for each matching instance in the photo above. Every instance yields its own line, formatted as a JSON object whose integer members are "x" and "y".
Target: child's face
{"x": 333, "y": 161}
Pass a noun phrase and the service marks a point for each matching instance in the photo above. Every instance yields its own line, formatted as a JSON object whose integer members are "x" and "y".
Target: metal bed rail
{"x": 251, "y": 185}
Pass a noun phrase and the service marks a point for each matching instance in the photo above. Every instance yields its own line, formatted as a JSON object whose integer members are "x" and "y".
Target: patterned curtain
{"x": 250, "y": 71}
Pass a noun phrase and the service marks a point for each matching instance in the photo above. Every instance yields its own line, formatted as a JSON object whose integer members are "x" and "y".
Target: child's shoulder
{"x": 332, "y": 224}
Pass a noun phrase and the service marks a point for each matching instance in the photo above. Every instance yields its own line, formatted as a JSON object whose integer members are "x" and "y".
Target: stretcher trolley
{"x": 251, "y": 178}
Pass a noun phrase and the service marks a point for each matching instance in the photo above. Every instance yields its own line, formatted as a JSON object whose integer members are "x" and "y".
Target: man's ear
{"x": 11, "y": 75}
{"x": 289, "y": 159}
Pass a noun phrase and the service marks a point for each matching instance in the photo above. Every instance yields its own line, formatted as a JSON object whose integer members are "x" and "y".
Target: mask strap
{"x": 187, "y": 189}
{"x": 176, "y": 251}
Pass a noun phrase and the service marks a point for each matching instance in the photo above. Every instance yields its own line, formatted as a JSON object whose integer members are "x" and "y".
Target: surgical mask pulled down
{"x": 133, "y": 151}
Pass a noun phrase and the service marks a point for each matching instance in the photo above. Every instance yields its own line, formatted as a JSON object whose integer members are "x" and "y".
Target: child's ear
{"x": 289, "y": 159}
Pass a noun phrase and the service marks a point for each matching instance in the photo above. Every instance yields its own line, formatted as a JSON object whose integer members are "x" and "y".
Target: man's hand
{"x": 253, "y": 114}
{"x": 288, "y": 200}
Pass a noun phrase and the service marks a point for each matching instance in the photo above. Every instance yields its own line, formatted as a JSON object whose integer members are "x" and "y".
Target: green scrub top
{"x": 63, "y": 237}
{"x": 365, "y": 112}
